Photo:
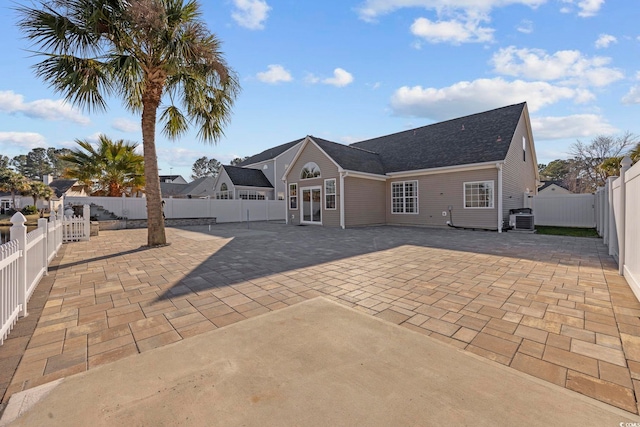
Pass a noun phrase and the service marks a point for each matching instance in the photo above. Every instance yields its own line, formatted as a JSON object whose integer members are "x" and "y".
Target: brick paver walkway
{"x": 552, "y": 307}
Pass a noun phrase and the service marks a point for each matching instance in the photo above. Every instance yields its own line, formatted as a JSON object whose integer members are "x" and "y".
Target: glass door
{"x": 311, "y": 205}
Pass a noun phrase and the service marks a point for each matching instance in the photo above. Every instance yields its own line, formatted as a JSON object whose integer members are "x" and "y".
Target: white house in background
{"x": 553, "y": 188}
{"x": 174, "y": 179}
{"x": 197, "y": 189}
{"x": 271, "y": 163}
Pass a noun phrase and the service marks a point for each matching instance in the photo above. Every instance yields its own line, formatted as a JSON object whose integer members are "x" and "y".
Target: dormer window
{"x": 310, "y": 170}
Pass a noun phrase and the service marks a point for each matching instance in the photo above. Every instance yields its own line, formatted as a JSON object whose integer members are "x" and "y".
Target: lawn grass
{"x": 567, "y": 231}
{"x": 5, "y": 220}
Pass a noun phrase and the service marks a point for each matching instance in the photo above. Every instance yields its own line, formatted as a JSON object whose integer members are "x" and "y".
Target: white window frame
{"x": 334, "y": 194}
{"x": 404, "y": 198}
{"x": 296, "y": 197}
{"x": 311, "y": 167}
{"x": 491, "y": 185}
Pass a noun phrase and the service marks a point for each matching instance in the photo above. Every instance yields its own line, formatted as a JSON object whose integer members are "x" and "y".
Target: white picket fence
{"x": 568, "y": 210}
{"x": 25, "y": 259}
{"x": 617, "y": 206}
{"x": 234, "y": 210}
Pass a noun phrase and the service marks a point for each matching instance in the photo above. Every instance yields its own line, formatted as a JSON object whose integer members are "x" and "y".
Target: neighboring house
{"x": 272, "y": 162}
{"x": 69, "y": 187}
{"x": 174, "y": 179}
{"x": 468, "y": 172}
{"x": 6, "y": 201}
{"x": 553, "y": 188}
{"x": 234, "y": 182}
{"x": 197, "y": 189}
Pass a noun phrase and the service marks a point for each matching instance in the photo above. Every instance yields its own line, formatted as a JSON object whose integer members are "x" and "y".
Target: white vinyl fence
{"x": 235, "y": 210}
{"x": 617, "y": 206}
{"x": 568, "y": 210}
{"x": 25, "y": 258}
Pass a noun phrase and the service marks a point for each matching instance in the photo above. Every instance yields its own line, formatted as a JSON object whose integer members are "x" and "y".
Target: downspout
{"x": 500, "y": 213}
{"x": 342, "y": 175}
{"x": 286, "y": 201}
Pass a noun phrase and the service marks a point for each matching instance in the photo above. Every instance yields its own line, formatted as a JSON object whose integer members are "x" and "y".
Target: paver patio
{"x": 552, "y": 307}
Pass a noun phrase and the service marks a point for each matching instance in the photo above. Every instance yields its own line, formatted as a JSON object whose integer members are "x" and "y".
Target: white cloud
{"x": 586, "y": 8}
{"x": 371, "y": 9}
{"x": 27, "y": 140}
{"x": 565, "y": 66}
{"x": 478, "y": 95}
{"x": 525, "y": 26}
{"x": 275, "y": 74}
{"x": 589, "y": 7}
{"x": 340, "y": 78}
{"x": 251, "y": 14}
{"x": 48, "y": 109}
{"x": 605, "y": 40}
{"x": 311, "y": 78}
{"x": 454, "y": 31}
{"x": 574, "y": 126}
{"x": 126, "y": 125}
{"x": 633, "y": 96}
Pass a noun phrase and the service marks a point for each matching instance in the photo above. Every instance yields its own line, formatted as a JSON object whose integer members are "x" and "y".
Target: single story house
{"x": 553, "y": 188}
{"x": 175, "y": 179}
{"x": 265, "y": 182}
{"x": 464, "y": 172}
{"x": 234, "y": 182}
{"x": 199, "y": 188}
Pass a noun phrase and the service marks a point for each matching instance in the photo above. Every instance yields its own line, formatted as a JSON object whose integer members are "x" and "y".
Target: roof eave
{"x": 446, "y": 169}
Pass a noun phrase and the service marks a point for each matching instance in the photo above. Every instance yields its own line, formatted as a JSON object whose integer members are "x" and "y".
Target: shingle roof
{"x": 170, "y": 189}
{"x": 269, "y": 153}
{"x": 477, "y": 138}
{"x": 546, "y": 184}
{"x": 247, "y": 177}
{"x": 60, "y": 186}
{"x": 352, "y": 158}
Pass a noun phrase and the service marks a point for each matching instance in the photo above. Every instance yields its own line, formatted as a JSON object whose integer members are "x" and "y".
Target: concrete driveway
{"x": 551, "y": 307}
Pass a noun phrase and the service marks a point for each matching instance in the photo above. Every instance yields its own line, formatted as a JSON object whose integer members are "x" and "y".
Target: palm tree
{"x": 145, "y": 51}
{"x": 39, "y": 190}
{"x": 13, "y": 182}
{"x": 111, "y": 169}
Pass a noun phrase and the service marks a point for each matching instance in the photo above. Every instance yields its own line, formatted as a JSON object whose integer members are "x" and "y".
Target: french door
{"x": 311, "y": 205}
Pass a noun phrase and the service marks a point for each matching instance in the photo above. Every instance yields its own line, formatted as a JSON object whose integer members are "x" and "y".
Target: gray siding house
{"x": 466, "y": 172}
{"x": 269, "y": 165}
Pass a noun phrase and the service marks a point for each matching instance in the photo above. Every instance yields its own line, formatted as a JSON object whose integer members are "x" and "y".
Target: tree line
{"x": 590, "y": 164}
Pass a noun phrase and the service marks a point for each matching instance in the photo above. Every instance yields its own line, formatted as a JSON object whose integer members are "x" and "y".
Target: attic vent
{"x": 499, "y": 139}
{"x": 462, "y": 127}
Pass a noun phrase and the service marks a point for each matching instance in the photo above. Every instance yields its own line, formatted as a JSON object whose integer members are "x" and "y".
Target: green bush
{"x": 29, "y": 210}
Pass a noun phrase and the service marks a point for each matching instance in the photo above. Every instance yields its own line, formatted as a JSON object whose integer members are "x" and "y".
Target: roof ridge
{"x": 344, "y": 145}
{"x": 438, "y": 123}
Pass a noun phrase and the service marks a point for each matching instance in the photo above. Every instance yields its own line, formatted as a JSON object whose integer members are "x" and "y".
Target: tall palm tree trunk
{"x": 155, "y": 220}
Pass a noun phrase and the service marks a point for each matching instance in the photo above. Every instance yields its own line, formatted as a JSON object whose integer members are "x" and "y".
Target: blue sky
{"x": 352, "y": 70}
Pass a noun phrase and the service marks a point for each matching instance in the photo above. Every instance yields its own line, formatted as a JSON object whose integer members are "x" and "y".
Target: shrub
{"x": 29, "y": 210}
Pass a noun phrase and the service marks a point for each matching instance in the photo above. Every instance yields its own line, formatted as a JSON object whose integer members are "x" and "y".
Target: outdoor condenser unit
{"x": 521, "y": 221}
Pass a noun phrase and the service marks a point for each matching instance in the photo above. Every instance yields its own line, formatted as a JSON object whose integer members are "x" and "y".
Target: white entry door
{"x": 311, "y": 205}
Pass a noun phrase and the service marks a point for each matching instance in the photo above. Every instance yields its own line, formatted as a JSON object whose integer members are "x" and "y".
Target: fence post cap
{"x": 18, "y": 219}
{"x": 626, "y": 162}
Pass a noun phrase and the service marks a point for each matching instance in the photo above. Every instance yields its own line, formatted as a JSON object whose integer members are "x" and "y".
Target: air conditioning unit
{"x": 521, "y": 221}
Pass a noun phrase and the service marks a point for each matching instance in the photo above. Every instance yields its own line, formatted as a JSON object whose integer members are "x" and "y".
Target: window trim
{"x": 464, "y": 194}
{"x": 314, "y": 165}
{"x": 416, "y": 197}
{"x": 290, "y": 197}
{"x": 334, "y": 194}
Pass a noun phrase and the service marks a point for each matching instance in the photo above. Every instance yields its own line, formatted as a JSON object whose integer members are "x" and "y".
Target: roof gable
{"x": 246, "y": 177}
{"x": 351, "y": 158}
{"x": 270, "y": 153}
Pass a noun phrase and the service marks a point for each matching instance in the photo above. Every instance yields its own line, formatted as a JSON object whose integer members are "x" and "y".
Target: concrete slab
{"x": 314, "y": 363}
